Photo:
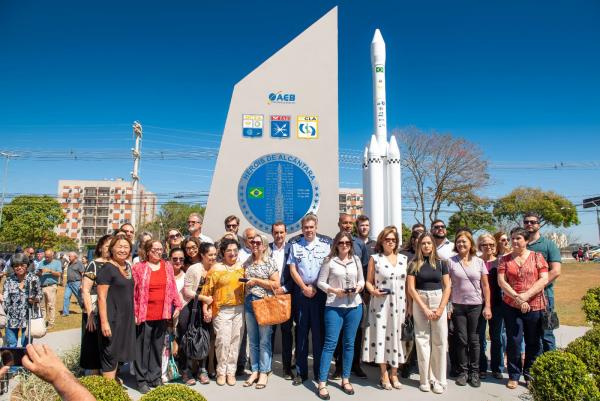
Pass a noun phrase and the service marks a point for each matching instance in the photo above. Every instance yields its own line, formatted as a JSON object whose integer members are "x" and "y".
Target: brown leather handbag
{"x": 272, "y": 310}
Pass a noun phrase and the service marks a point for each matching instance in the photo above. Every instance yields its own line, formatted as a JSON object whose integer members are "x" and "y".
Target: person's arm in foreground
{"x": 42, "y": 362}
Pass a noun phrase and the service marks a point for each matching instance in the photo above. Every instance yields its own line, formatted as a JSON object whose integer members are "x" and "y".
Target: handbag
{"x": 408, "y": 330}
{"x": 273, "y": 309}
{"x": 37, "y": 326}
{"x": 172, "y": 370}
{"x": 196, "y": 340}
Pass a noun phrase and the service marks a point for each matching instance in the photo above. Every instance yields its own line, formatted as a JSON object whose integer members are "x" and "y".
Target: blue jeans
{"x": 548, "y": 340}
{"x": 72, "y": 288}
{"x": 521, "y": 326}
{"x": 337, "y": 319}
{"x": 12, "y": 336}
{"x": 497, "y": 339}
{"x": 259, "y": 338}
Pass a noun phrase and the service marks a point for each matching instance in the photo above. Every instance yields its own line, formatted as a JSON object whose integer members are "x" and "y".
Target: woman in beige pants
{"x": 429, "y": 286}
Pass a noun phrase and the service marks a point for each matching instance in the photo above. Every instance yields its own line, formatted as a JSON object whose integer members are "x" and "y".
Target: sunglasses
{"x": 257, "y": 243}
{"x": 345, "y": 243}
{"x": 177, "y": 259}
{"x": 533, "y": 222}
{"x": 390, "y": 240}
{"x": 231, "y": 225}
{"x": 173, "y": 236}
{"x": 193, "y": 222}
{"x": 438, "y": 227}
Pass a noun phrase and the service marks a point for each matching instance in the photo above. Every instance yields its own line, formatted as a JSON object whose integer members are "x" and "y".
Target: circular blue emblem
{"x": 278, "y": 187}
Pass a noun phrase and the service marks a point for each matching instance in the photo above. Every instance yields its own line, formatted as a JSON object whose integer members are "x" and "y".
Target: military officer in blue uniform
{"x": 305, "y": 260}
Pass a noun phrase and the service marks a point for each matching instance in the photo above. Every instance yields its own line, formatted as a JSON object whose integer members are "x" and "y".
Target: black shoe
{"x": 474, "y": 380}
{"x": 358, "y": 372}
{"x": 324, "y": 396}
{"x": 461, "y": 380}
{"x": 298, "y": 380}
{"x": 143, "y": 388}
{"x": 453, "y": 373}
{"x": 497, "y": 375}
{"x": 288, "y": 374}
{"x": 156, "y": 383}
{"x": 337, "y": 373}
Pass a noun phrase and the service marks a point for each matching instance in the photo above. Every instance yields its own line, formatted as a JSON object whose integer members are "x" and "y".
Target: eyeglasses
{"x": 177, "y": 259}
{"x": 488, "y": 245}
{"x": 191, "y": 248}
{"x": 390, "y": 240}
{"x": 173, "y": 236}
{"x": 193, "y": 222}
{"x": 438, "y": 227}
{"x": 156, "y": 250}
{"x": 533, "y": 222}
{"x": 231, "y": 225}
{"x": 345, "y": 243}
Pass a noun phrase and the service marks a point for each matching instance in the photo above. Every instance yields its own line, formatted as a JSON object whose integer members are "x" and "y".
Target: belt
{"x": 48, "y": 285}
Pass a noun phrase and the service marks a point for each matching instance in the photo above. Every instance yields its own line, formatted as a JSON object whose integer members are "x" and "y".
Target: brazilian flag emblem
{"x": 257, "y": 193}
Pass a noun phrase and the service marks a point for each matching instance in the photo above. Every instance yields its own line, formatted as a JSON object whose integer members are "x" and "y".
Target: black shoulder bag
{"x": 197, "y": 338}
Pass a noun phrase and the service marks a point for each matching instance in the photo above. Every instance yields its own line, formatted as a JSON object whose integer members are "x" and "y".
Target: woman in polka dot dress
{"x": 386, "y": 282}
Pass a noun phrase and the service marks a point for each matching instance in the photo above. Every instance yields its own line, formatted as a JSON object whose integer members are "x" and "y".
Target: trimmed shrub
{"x": 587, "y": 349}
{"x": 173, "y": 392}
{"x": 104, "y": 389}
{"x": 591, "y": 305}
{"x": 561, "y": 376}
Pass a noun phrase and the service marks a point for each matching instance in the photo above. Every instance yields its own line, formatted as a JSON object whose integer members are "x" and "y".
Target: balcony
{"x": 90, "y": 192}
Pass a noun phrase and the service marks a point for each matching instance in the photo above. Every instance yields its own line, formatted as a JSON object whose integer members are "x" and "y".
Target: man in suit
{"x": 280, "y": 251}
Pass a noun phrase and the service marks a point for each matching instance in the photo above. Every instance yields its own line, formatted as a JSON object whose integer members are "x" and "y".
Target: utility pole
{"x": 137, "y": 154}
{"x": 7, "y": 156}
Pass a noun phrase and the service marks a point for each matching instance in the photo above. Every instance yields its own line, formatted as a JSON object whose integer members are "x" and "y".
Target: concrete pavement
{"x": 491, "y": 389}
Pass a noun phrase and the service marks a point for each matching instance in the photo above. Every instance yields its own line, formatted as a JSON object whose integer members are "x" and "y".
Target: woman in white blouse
{"x": 341, "y": 277}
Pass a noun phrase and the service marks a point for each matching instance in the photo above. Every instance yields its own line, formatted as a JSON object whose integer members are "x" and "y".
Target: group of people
{"x": 353, "y": 298}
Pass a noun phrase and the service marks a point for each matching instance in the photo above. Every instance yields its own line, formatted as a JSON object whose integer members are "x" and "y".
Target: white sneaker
{"x": 425, "y": 388}
{"x": 438, "y": 388}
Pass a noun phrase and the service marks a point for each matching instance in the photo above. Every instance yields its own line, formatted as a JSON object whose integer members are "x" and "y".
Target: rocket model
{"x": 381, "y": 163}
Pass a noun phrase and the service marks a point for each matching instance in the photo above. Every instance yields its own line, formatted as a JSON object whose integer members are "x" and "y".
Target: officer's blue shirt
{"x": 308, "y": 257}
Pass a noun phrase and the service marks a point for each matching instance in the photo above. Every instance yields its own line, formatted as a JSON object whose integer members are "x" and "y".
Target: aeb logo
{"x": 282, "y": 98}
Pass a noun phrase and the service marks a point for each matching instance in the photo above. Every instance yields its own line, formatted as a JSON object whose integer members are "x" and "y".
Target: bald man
{"x": 49, "y": 270}
{"x": 75, "y": 271}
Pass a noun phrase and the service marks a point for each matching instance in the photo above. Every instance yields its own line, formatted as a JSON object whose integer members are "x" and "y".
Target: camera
{"x": 350, "y": 290}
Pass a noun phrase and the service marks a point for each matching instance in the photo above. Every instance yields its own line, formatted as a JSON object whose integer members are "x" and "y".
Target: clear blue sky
{"x": 520, "y": 79}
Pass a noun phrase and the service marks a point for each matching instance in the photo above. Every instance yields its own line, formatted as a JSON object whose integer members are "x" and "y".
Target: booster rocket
{"x": 381, "y": 164}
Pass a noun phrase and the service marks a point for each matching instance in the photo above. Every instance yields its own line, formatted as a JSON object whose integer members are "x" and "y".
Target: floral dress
{"x": 16, "y": 300}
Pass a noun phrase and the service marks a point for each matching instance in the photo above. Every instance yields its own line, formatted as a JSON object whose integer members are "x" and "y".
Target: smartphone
{"x": 12, "y": 356}
{"x": 349, "y": 290}
{"x": 244, "y": 280}
{"x": 385, "y": 291}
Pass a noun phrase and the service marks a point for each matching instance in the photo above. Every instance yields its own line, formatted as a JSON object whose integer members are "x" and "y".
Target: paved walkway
{"x": 365, "y": 388}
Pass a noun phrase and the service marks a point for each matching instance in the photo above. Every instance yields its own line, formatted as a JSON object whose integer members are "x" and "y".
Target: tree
{"x": 62, "y": 243}
{"x": 473, "y": 213}
{"x": 440, "y": 166}
{"x": 172, "y": 215}
{"x": 29, "y": 220}
{"x": 552, "y": 208}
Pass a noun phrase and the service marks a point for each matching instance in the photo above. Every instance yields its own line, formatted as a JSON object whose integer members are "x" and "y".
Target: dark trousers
{"x": 338, "y": 353}
{"x": 186, "y": 365}
{"x": 452, "y": 355}
{"x": 149, "y": 342}
{"x": 497, "y": 340}
{"x": 466, "y": 332}
{"x": 548, "y": 339}
{"x": 287, "y": 343}
{"x": 518, "y": 326}
{"x": 309, "y": 313}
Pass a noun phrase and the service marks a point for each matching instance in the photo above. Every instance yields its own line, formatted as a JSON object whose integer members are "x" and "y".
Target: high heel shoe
{"x": 250, "y": 381}
{"x": 385, "y": 385}
{"x": 260, "y": 386}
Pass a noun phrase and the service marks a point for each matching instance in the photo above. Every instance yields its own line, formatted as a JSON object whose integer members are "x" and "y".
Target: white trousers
{"x": 431, "y": 340}
{"x": 228, "y": 326}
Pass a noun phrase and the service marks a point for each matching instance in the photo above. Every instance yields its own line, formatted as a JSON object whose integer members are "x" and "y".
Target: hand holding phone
{"x": 244, "y": 280}
{"x": 385, "y": 291}
{"x": 350, "y": 290}
{"x": 12, "y": 356}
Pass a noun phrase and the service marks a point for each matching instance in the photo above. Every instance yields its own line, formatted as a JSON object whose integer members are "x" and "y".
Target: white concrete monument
{"x": 279, "y": 152}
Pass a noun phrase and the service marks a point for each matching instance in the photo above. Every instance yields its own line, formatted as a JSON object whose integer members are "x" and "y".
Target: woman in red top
{"x": 522, "y": 275}
{"x": 156, "y": 300}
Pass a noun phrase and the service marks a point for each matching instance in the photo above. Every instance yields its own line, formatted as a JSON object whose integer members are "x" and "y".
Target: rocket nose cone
{"x": 374, "y": 150}
{"x": 393, "y": 151}
{"x": 377, "y": 48}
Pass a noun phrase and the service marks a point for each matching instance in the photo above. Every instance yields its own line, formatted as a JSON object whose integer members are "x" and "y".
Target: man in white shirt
{"x": 444, "y": 247}
{"x": 245, "y": 252}
{"x": 194, "y": 222}
{"x": 280, "y": 251}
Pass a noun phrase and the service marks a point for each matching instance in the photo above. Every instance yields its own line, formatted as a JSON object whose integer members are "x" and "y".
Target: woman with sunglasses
{"x": 193, "y": 282}
{"x": 386, "y": 282}
{"x": 263, "y": 278}
{"x": 223, "y": 285}
{"x": 487, "y": 246}
{"x": 502, "y": 244}
{"x": 341, "y": 278}
{"x": 156, "y": 300}
{"x": 191, "y": 248}
{"x": 174, "y": 239}
{"x": 429, "y": 286}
